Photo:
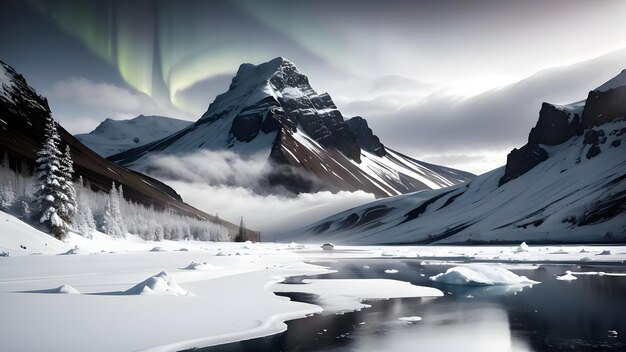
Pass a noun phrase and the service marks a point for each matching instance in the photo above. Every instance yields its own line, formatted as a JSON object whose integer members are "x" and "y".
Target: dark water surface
{"x": 554, "y": 315}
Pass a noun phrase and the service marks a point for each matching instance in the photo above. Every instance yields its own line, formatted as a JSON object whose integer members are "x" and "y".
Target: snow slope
{"x": 115, "y": 136}
{"x": 102, "y": 301}
{"x": 271, "y": 109}
{"x": 566, "y": 185}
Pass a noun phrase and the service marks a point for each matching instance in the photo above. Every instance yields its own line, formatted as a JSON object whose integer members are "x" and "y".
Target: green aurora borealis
{"x": 163, "y": 47}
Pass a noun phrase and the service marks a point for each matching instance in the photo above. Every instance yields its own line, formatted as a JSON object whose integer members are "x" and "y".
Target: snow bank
{"x": 199, "y": 266}
{"x": 480, "y": 275}
{"x": 522, "y": 248}
{"x": 74, "y": 251}
{"x": 66, "y": 289}
{"x": 567, "y": 276}
{"x": 18, "y": 238}
{"x": 160, "y": 284}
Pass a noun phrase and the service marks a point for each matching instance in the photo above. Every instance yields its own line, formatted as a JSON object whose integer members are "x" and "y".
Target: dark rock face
{"x": 603, "y": 107}
{"x": 316, "y": 114}
{"x": 554, "y": 126}
{"x": 365, "y": 136}
{"x": 519, "y": 161}
{"x": 246, "y": 127}
{"x": 594, "y": 137}
{"x": 593, "y": 151}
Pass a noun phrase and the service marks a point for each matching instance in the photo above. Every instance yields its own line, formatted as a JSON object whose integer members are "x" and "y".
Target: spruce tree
{"x": 50, "y": 196}
{"x": 114, "y": 225}
{"x": 84, "y": 221}
{"x": 68, "y": 210}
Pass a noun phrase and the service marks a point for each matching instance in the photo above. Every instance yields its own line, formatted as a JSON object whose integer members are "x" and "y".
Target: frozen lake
{"x": 575, "y": 315}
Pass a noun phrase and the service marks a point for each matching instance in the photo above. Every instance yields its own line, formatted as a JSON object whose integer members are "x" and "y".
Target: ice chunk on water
{"x": 411, "y": 319}
{"x": 567, "y": 277}
{"x": 481, "y": 275}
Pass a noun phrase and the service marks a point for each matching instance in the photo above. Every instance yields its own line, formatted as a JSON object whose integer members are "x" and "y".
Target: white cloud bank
{"x": 270, "y": 214}
{"x": 232, "y": 186}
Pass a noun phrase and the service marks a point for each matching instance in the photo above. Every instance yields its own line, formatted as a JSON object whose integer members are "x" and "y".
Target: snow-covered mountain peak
{"x": 260, "y": 86}
{"x": 271, "y": 109}
{"x": 615, "y": 82}
{"x": 115, "y": 136}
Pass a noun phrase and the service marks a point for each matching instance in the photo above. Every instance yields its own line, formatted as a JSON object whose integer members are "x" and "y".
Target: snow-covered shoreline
{"x": 132, "y": 294}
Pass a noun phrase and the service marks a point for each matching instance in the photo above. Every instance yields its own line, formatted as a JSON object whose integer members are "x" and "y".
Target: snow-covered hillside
{"x": 115, "y": 136}
{"x": 272, "y": 110}
{"x": 23, "y": 114}
{"x": 568, "y": 184}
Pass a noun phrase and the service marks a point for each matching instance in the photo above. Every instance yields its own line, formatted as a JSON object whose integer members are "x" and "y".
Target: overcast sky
{"x": 403, "y": 65}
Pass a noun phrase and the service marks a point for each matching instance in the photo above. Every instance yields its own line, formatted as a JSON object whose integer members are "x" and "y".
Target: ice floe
{"x": 567, "y": 276}
{"x": 411, "y": 319}
{"x": 345, "y": 295}
{"x": 480, "y": 275}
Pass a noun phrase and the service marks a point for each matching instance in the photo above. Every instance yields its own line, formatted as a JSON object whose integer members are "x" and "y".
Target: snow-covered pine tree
{"x": 50, "y": 196}
{"x": 84, "y": 221}
{"x": 68, "y": 210}
{"x": 120, "y": 200}
{"x": 114, "y": 225}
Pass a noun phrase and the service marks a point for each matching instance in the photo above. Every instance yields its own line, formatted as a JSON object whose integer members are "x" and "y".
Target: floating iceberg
{"x": 480, "y": 275}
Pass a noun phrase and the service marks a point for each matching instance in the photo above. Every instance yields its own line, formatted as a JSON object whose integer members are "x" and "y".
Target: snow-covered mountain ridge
{"x": 23, "y": 113}
{"x": 567, "y": 184}
{"x": 115, "y": 136}
{"x": 271, "y": 109}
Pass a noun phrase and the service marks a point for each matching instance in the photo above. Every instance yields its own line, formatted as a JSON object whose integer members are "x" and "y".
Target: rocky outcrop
{"x": 365, "y": 136}
{"x": 556, "y": 125}
{"x": 604, "y": 106}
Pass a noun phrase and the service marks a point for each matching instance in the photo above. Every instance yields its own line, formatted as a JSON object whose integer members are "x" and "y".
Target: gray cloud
{"x": 494, "y": 121}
